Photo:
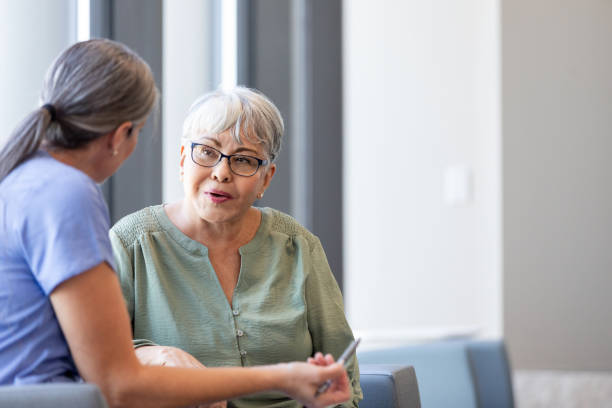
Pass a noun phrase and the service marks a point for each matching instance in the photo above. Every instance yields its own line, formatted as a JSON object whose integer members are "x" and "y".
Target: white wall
{"x": 421, "y": 95}
{"x": 32, "y": 34}
{"x": 187, "y": 75}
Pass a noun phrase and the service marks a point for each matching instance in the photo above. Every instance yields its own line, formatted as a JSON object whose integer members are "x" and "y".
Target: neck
{"x": 230, "y": 234}
{"x": 85, "y": 159}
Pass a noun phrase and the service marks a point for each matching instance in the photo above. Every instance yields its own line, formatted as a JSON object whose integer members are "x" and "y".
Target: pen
{"x": 342, "y": 360}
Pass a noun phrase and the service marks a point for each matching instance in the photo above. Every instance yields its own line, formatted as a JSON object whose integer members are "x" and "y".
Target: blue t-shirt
{"x": 53, "y": 226}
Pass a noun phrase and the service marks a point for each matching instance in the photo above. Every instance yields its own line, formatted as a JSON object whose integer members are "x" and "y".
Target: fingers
{"x": 339, "y": 391}
{"x": 333, "y": 397}
{"x": 303, "y": 380}
{"x": 220, "y": 404}
{"x": 166, "y": 356}
{"x": 175, "y": 357}
{"x": 341, "y": 382}
{"x": 332, "y": 371}
{"x": 321, "y": 360}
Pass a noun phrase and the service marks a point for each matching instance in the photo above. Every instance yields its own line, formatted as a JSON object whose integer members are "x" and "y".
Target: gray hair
{"x": 93, "y": 87}
{"x": 246, "y": 112}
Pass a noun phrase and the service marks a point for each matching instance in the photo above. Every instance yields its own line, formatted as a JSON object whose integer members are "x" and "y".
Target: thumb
{"x": 332, "y": 371}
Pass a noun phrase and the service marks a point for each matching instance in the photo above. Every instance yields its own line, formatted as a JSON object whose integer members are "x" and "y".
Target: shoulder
{"x": 131, "y": 227}
{"x": 44, "y": 180}
{"x": 46, "y": 189}
{"x": 76, "y": 192}
{"x": 281, "y": 223}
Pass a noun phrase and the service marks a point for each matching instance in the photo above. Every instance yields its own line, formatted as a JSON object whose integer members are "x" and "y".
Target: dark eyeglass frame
{"x": 260, "y": 162}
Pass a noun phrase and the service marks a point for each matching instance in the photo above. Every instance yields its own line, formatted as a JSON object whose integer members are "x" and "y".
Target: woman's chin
{"x": 217, "y": 214}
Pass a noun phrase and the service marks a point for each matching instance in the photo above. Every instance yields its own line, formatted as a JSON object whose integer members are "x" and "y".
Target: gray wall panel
{"x": 294, "y": 57}
{"x": 557, "y": 189}
{"x": 138, "y": 24}
{"x": 326, "y": 145}
{"x": 270, "y": 72}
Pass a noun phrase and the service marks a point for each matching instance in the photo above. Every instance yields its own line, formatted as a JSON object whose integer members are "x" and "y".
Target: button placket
{"x": 239, "y": 335}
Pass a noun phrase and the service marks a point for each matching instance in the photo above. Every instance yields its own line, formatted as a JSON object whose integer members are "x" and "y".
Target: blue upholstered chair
{"x": 491, "y": 373}
{"x": 389, "y": 386}
{"x": 458, "y": 373}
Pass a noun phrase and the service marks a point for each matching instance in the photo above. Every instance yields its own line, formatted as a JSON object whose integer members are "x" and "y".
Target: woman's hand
{"x": 172, "y": 357}
{"x": 321, "y": 360}
{"x": 304, "y": 380}
{"x": 166, "y": 356}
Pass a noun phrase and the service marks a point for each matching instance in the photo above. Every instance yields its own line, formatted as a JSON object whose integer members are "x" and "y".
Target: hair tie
{"x": 51, "y": 109}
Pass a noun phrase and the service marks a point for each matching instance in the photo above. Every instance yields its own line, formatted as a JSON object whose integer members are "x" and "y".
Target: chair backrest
{"x": 491, "y": 372}
{"x": 442, "y": 370}
{"x": 389, "y": 386}
{"x": 52, "y": 396}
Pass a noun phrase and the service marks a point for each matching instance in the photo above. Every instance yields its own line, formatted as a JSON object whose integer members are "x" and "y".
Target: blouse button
{"x": 243, "y": 353}
{"x": 240, "y": 333}
{"x": 235, "y": 312}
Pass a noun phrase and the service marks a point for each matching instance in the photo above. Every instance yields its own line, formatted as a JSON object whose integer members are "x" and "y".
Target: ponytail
{"x": 90, "y": 89}
{"x": 24, "y": 141}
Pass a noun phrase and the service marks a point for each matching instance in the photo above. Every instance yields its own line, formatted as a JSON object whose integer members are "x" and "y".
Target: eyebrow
{"x": 216, "y": 143}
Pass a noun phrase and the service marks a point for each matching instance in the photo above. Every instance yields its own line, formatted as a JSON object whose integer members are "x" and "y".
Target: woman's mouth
{"x": 217, "y": 196}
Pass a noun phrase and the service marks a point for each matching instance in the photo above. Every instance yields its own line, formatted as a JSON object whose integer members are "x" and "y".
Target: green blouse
{"x": 286, "y": 304}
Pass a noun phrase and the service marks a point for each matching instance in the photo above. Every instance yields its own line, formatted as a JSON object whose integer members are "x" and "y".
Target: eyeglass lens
{"x": 239, "y": 164}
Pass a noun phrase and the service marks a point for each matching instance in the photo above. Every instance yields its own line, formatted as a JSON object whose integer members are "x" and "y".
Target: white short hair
{"x": 246, "y": 112}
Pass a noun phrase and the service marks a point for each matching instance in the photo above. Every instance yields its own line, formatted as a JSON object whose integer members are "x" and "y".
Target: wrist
{"x": 277, "y": 377}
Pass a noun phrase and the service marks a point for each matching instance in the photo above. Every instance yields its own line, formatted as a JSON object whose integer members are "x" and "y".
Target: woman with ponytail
{"x": 62, "y": 314}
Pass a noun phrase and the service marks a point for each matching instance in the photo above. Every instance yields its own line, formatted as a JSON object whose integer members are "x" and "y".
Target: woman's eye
{"x": 208, "y": 152}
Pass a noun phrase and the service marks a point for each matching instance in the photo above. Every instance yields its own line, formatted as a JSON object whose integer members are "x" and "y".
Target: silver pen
{"x": 342, "y": 360}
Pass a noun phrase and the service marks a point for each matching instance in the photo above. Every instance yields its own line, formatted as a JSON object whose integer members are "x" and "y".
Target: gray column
{"x": 294, "y": 57}
{"x": 324, "y": 96}
{"x": 138, "y": 24}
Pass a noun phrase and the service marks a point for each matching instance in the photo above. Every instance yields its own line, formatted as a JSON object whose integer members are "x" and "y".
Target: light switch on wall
{"x": 457, "y": 185}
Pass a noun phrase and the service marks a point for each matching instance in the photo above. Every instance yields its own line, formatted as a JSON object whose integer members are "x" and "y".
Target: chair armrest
{"x": 389, "y": 386}
{"x": 52, "y": 396}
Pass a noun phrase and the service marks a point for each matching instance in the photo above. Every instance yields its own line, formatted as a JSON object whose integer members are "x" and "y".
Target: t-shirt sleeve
{"x": 65, "y": 232}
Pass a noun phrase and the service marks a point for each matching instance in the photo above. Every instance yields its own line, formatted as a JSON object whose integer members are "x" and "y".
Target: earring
{"x": 260, "y": 195}
{"x": 115, "y": 152}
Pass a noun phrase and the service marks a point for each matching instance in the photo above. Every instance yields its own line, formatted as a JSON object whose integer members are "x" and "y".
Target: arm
{"x": 326, "y": 319}
{"x": 91, "y": 312}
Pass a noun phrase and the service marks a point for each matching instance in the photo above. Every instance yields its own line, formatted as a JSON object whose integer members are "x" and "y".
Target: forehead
{"x": 226, "y": 141}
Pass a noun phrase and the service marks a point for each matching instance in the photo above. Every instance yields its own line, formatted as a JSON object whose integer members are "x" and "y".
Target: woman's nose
{"x": 222, "y": 172}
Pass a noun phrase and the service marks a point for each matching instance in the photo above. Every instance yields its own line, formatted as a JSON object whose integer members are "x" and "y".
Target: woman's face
{"x": 216, "y": 194}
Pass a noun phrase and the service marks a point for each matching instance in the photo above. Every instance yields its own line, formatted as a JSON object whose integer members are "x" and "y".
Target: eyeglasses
{"x": 239, "y": 164}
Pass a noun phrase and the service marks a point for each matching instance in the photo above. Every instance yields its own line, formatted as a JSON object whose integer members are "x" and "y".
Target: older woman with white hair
{"x": 213, "y": 280}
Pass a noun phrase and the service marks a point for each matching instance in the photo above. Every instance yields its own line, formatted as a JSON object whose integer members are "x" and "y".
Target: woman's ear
{"x": 268, "y": 176}
{"x": 119, "y": 135}
{"x": 182, "y": 162}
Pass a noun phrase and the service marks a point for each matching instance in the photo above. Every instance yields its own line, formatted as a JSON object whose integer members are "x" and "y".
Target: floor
{"x": 561, "y": 389}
